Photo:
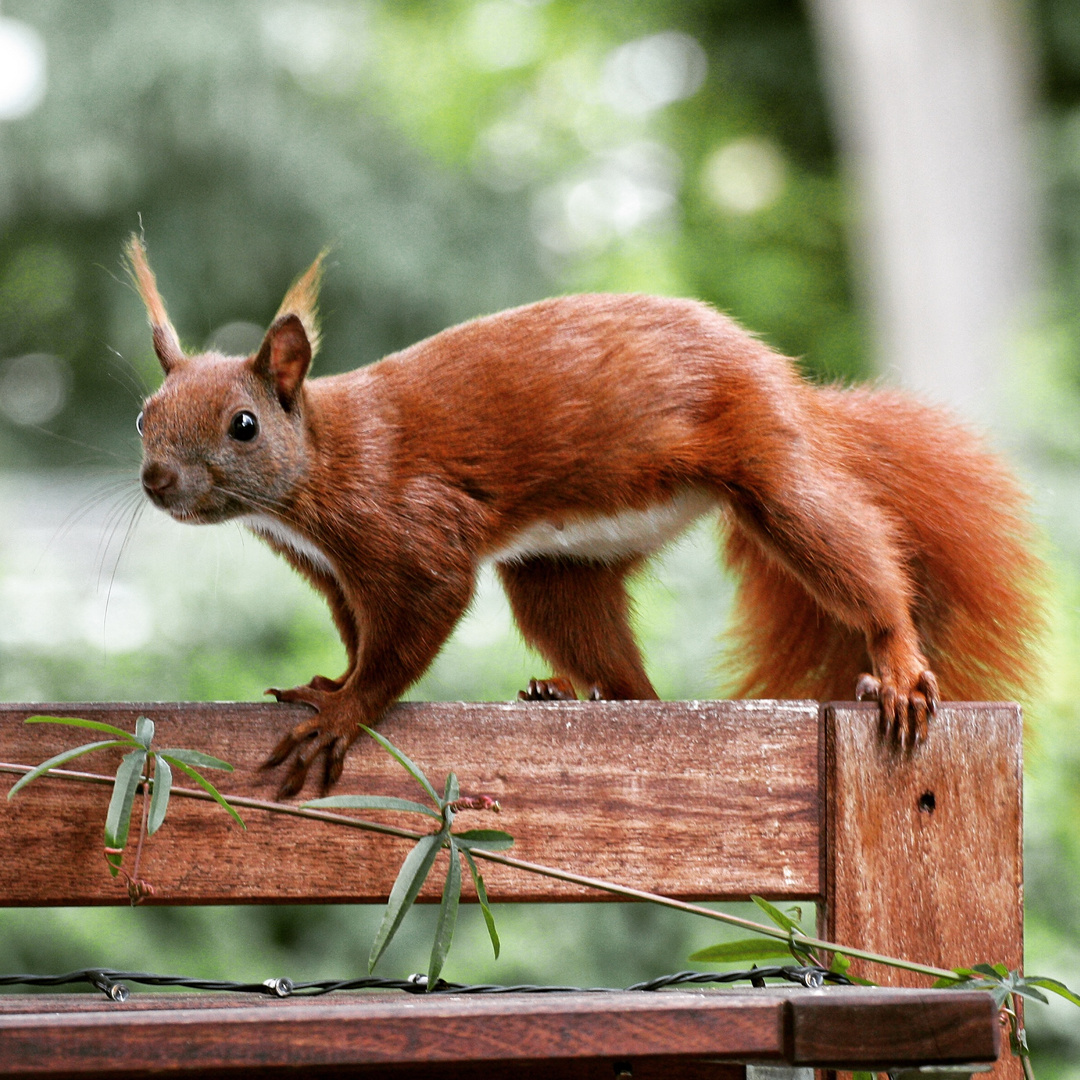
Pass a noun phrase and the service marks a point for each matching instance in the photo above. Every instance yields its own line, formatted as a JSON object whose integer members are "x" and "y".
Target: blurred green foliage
{"x": 460, "y": 156}
{"x": 452, "y": 180}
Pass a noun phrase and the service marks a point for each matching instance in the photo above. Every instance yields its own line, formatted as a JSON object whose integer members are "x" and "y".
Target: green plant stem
{"x": 142, "y": 830}
{"x": 234, "y": 800}
{"x": 708, "y": 913}
{"x": 532, "y": 868}
{"x": 1017, "y": 1032}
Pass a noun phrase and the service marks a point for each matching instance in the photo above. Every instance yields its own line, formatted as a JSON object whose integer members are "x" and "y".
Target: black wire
{"x": 112, "y": 983}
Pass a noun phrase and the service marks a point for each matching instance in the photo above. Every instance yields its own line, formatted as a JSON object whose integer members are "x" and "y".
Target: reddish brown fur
{"x": 871, "y": 533}
{"x": 166, "y": 342}
{"x": 970, "y": 554}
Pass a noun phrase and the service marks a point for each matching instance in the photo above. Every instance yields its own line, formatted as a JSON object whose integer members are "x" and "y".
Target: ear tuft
{"x": 302, "y": 300}
{"x": 284, "y": 358}
{"x": 166, "y": 342}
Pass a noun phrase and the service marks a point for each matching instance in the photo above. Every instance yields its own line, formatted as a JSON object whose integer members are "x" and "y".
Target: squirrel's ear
{"x": 302, "y": 300}
{"x": 166, "y": 342}
{"x": 284, "y": 358}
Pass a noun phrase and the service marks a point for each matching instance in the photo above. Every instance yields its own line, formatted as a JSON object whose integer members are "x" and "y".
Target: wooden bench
{"x": 918, "y": 857}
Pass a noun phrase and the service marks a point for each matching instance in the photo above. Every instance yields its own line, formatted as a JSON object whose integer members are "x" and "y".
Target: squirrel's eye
{"x": 139, "y": 424}
{"x": 244, "y": 427}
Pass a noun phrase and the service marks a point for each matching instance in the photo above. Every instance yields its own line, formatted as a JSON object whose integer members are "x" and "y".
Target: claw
{"x": 905, "y": 718}
{"x": 556, "y": 688}
{"x": 868, "y": 688}
{"x": 293, "y": 782}
{"x": 328, "y": 733}
{"x": 335, "y": 763}
{"x": 297, "y": 695}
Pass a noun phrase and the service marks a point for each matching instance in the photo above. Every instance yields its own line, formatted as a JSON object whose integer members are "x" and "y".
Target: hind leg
{"x": 824, "y": 530}
{"x": 576, "y": 614}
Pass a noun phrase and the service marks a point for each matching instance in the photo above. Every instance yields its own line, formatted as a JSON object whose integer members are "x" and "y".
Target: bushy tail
{"x": 971, "y": 552}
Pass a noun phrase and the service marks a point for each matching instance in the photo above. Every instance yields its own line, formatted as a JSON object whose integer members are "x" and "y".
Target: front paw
{"x": 905, "y": 714}
{"x": 328, "y": 734}
{"x": 319, "y": 684}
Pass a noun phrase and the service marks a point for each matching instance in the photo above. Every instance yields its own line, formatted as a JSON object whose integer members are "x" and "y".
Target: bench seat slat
{"x": 851, "y": 1028}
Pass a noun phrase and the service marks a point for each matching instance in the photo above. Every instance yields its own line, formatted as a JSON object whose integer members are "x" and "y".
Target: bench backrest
{"x": 915, "y": 855}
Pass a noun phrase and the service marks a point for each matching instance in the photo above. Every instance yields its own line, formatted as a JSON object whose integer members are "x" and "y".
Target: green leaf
{"x": 144, "y": 732}
{"x": 406, "y": 763}
{"x": 992, "y": 971}
{"x": 485, "y": 839}
{"x": 762, "y": 948}
{"x": 840, "y": 964}
{"x": 785, "y": 922}
{"x": 371, "y": 802}
{"x": 1018, "y": 1043}
{"x": 197, "y": 759}
{"x": 452, "y": 789}
{"x": 482, "y": 896}
{"x": 1027, "y": 990}
{"x": 205, "y": 784}
{"x": 448, "y": 912}
{"x": 78, "y": 721}
{"x": 118, "y": 819}
{"x": 411, "y": 877}
{"x": 159, "y": 799}
{"x": 1054, "y": 986}
{"x": 59, "y": 759}
{"x": 863, "y": 1076}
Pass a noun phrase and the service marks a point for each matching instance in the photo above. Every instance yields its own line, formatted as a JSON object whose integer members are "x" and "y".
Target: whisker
{"x": 82, "y": 509}
{"x": 133, "y": 391}
{"x": 67, "y": 440}
{"x": 133, "y": 380}
{"x": 255, "y": 502}
{"x": 136, "y": 509}
{"x": 114, "y": 520}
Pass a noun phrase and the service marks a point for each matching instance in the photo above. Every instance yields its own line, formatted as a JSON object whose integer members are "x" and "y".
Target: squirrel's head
{"x": 225, "y": 436}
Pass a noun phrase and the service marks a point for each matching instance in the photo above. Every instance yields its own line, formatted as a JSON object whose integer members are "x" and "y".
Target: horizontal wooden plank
{"x": 893, "y": 1028}
{"x": 691, "y": 799}
{"x": 850, "y": 1027}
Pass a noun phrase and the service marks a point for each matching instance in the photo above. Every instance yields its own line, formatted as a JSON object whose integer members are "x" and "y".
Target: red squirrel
{"x": 880, "y": 548}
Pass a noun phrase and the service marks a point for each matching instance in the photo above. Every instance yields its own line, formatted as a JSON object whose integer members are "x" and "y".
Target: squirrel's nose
{"x": 159, "y": 480}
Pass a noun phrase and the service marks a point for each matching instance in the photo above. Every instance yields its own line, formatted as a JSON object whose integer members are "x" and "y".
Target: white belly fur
{"x": 287, "y": 537}
{"x": 615, "y": 536}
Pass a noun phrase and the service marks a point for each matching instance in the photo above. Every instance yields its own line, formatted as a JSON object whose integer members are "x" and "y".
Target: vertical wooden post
{"x": 924, "y": 850}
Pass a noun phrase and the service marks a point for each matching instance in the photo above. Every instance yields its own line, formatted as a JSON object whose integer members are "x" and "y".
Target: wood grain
{"x": 691, "y": 799}
{"x": 695, "y": 800}
{"x": 924, "y": 851}
{"x": 853, "y": 1027}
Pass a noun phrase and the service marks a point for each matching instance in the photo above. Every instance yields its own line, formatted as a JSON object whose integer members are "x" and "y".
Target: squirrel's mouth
{"x": 188, "y": 516}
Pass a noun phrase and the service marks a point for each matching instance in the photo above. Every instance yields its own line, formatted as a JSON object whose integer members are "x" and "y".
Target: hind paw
{"x": 556, "y": 688}
{"x": 905, "y": 715}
